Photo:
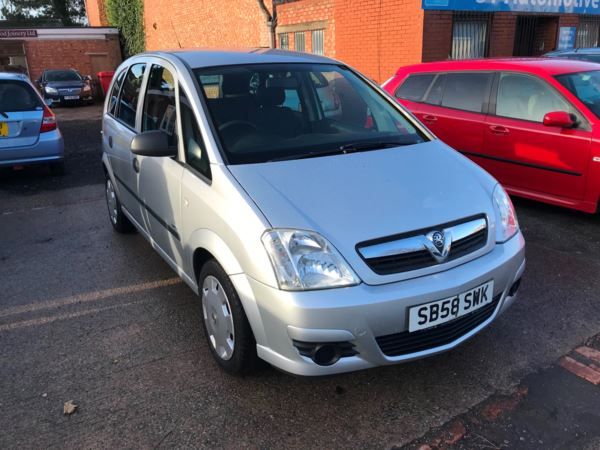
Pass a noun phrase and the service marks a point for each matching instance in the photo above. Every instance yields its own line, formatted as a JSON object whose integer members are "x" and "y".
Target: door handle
{"x": 429, "y": 118}
{"x": 136, "y": 165}
{"x": 110, "y": 141}
{"x": 497, "y": 129}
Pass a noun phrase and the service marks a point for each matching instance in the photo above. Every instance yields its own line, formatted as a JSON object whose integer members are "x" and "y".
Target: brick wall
{"x": 378, "y": 36}
{"x": 204, "y": 23}
{"x": 437, "y": 35}
{"x": 502, "y": 34}
{"x": 96, "y": 13}
{"x": 75, "y": 53}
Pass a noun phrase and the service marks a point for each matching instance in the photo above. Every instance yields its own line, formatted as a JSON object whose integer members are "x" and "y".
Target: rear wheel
{"x": 118, "y": 220}
{"x": 226, "y": 326}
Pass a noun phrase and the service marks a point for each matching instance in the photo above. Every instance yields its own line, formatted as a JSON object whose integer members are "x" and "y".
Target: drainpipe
{"x": 271, "y": 20}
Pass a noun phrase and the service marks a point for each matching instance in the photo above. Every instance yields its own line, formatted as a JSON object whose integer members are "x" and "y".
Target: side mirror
{"x": 153, "y": 143}
{"x": 560, "y": 119}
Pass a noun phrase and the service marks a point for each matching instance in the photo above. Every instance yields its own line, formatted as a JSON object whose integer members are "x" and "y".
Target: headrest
{"x": 236, "y": 83}
{"x": 271, "y": 96}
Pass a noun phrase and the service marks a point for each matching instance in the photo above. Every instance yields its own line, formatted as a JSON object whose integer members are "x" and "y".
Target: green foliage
{"x": 128, "y": 16}
{"x": 43, "y": 12}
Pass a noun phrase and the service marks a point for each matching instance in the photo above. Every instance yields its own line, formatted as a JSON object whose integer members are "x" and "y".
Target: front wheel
{"x": 228, "y": 332}
{"x": 118, "y": 220}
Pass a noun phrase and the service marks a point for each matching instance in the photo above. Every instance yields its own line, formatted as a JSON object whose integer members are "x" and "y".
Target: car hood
{"x": 356, "y": 197}
{"x": 64, "y": 84}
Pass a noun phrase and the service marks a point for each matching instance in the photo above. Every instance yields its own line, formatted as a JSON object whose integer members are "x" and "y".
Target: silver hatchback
{"x": 29, "y": 133}
{"x": 324, "y": 228}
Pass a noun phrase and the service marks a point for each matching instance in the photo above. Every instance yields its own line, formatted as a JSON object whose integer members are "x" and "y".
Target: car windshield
{"x": 62, "y": 75}
{"x": 269, "y": 112}
{"x": 17, "y": 96}
{"x": 585, "y": 86}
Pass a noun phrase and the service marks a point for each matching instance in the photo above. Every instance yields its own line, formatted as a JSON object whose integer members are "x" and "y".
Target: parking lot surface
{"x": 98, "y": 318}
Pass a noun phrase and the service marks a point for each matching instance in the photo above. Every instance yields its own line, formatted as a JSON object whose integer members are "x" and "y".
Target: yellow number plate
{"x": 3, "y": 129}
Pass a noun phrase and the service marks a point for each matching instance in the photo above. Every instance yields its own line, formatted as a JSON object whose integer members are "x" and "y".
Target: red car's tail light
{"x": 48, "y": 120}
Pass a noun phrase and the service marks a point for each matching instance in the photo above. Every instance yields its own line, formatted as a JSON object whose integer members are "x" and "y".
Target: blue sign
{"x": 539, "y": 6}
{"x": 566, "y": 38}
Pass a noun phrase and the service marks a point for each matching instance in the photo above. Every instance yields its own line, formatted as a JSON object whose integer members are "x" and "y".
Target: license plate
{"x": 3, "y": 129}
{"x": 71, "y": 97}
{"x": 441, "y": 311}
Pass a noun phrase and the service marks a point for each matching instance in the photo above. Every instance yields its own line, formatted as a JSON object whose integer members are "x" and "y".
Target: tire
{"x": 235, "y": 348}
{"x": 58, "y": 168}
{"x": 118, "y": 220}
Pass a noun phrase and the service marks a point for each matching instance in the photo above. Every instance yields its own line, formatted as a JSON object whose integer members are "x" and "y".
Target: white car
{"x": 321, "y": 243}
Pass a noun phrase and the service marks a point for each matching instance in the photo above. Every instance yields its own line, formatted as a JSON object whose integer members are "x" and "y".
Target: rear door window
{"x": 17, "y": 96}
{"x": 130, "y": 94}
{"x": 114, "y": 93}
{"x": 415, "y": 87}
{"x": 467, "y": 91}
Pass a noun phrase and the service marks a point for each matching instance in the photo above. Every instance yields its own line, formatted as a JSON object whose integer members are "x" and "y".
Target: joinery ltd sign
{"x": 19, "y": 34}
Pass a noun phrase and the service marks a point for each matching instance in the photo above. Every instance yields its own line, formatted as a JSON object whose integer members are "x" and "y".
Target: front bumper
{"x": 49, "y": 148}
{"x": 60, "y": 98}
{"x": 362, "y": 313}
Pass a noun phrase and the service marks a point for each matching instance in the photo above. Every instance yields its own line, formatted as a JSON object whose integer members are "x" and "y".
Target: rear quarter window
{"x": 414, "y": 87}
{"x": 18, "y": 96}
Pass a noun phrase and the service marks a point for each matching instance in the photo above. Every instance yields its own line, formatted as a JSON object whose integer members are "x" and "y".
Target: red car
{"x": 532, "y": 123}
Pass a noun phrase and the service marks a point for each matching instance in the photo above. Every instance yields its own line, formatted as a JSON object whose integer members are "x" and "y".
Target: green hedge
{"x": 128, "y": 16}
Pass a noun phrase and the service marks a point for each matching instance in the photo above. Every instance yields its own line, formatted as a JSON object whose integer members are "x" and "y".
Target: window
{"x": 294, "y": 110}
{"x": 159, "y": 103}
{"x": 317, "y": 42}
{"x": 434, "y": 97}
{"x": 130, "y": 93}
{"x": 527, "y": 98}
{"x": 466, "y": 91}
{"x": 299, "y": 41}
{"x": 17, "y": 96}
{"x": 61, "y": 75}
{"x": 193, "y": 144}
{"x": 469, "y": 35}
{"x": 415, "y": 87}
{"x": 284, "y": 41}
{"x": 588, "y": 32}
{"x": 114, "y": 93}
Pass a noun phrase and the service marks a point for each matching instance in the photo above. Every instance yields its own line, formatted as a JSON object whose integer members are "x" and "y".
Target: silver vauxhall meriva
{"x": 323, "y": 227}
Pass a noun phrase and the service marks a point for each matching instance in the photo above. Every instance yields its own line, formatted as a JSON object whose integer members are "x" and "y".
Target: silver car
{"x": 319, "y": 243}
{"x": 28, "y": 130}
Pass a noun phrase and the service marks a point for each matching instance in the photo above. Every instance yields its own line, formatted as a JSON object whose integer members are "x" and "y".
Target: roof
{"x": 13, "y": 76}
{"x": 196, "y": 58}
{"x": 549, "y": 66}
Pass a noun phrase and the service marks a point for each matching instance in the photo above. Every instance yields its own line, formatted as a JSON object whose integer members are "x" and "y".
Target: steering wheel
{"x": 238, "y": 123}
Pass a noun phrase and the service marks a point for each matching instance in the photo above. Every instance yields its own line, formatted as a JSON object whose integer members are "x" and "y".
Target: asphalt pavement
{"x": 97, "y": 318}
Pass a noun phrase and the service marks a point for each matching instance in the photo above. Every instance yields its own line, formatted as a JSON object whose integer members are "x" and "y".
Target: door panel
{"x": 159, "y": 178}
{"x": 522, "y": 152}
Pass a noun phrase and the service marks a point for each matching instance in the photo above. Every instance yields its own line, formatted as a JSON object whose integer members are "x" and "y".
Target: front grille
{"x": 422, "y": 258}
{"x": 406, "y": 343}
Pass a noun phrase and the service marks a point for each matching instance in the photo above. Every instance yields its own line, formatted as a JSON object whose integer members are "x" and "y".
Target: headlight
{"x": 303, "y": 260}
{"x": 50, "y": 90}
{"x": 507, "y": 224}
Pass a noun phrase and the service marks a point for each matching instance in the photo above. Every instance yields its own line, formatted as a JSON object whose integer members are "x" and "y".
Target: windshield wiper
{"x": 362, "y": 146}
{"x": 347, "y": 148}
{"x": 2, "y": 113}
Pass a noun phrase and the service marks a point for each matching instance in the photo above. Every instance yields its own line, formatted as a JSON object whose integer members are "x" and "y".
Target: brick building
{"x": 31, "y": 50}
{"x": 375, "y": 36}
